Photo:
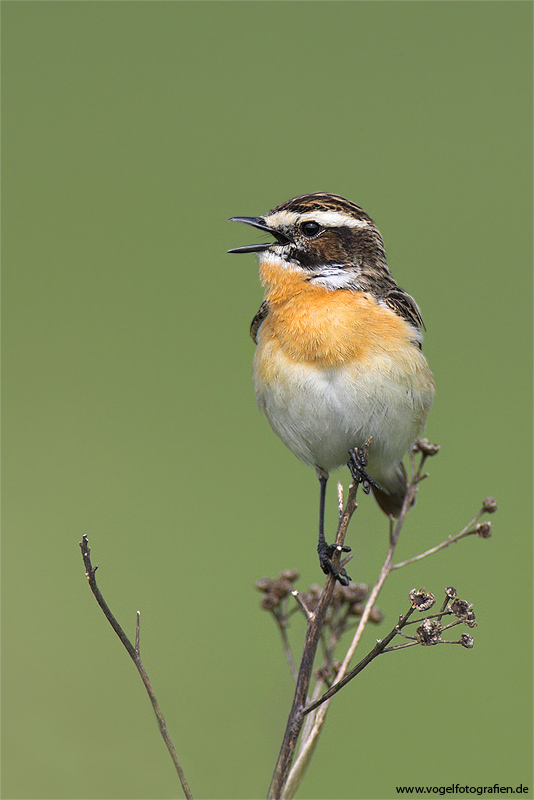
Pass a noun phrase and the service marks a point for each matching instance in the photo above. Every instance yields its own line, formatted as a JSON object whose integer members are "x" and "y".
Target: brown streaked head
{"x": 319, "y": 232}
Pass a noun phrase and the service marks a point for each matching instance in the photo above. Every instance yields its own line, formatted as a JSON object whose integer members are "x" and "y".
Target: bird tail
{"x": 390, "y": 496}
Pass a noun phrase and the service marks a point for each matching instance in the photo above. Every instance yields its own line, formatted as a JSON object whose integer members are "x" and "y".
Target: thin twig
{"x": 307, "y": 613}
{"x": 133, "y": 652}
{"x": 399, "y": 646}
{"x": 286, "y": 646}
{"x": 449, "y": 540}
{"x": 437, "y": 616}
{"x": 444, "y": 608}
{"x": 137, "y": 632}
{"x": 452, "y": 624}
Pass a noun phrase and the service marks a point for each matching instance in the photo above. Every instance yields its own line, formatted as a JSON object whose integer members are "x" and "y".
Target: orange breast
{"x": 313, "y": 324}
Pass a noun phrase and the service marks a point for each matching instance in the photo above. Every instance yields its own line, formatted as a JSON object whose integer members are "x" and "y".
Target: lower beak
{"x": 256, "y": 222}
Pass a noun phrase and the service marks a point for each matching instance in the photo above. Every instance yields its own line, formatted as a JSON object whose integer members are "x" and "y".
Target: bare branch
{"x": 133, "y": 652}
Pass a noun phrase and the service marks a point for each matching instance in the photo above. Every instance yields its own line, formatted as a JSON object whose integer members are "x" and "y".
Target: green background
{"x": 131, "y": 132}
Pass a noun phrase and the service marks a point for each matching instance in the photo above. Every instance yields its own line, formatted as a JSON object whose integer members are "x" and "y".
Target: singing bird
{"x": 338, "y": 359}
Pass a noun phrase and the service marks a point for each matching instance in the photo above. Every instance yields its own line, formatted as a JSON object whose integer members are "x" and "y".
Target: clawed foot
{"x": 326, "y": 551}
{"x": 357, "y": 463}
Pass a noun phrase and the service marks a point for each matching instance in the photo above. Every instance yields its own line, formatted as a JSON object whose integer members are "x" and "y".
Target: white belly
{"x": 320, "y": 413}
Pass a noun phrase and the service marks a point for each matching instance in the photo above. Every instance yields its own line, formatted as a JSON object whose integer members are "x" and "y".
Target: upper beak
{"x": 257, "y": 222}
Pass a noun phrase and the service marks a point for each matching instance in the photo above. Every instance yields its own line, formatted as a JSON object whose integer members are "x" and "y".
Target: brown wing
{"x": 257, "y": 321}
{"x": 404, "y": 305}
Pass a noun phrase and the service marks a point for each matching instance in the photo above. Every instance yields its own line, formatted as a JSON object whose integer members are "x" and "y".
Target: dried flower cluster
{"x": 276, "y": 589}
{"x": 346, "y": 607}
{"x": 347, "y": 601}
{"x": 430, "y": 630}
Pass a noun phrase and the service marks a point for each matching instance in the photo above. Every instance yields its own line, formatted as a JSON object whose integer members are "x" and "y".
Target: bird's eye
{"x": 310, "y": 228}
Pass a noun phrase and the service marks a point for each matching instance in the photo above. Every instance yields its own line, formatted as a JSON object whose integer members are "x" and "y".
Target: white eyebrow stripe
{"x": 334, "y": 219}
{"x": 281, "y": 218}
{"x": 330, "y": 219}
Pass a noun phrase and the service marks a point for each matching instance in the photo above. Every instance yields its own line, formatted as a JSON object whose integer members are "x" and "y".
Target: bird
{"x": 338, "y": 368}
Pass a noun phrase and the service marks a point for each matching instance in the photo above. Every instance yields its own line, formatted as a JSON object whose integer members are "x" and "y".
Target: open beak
{"x": 257, "y": 222}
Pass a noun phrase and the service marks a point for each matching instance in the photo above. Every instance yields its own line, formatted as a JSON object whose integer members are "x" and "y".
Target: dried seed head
{"x": 338, "y": 596}
{"x": 467, "y": 641}
{"x": 464, "y": 612}
{"x": 483, "y": 529}
{"x": 421, "y": 599}
{"x": 290, "y": 575}
{"x": 426, "y": 448}
{"x": 355, "y": 592}
{"x": 264, "y": 584}
{"x": 489, "y": 505}
{"x": 356, "y": 609}
{"x": 281, "y": 587}
{"x": 460, "y": 607}
{"x": 470, "y": 619}
{"x": 451, "y": 592}
{"x": 429, "y": 632}
{"x": 269, "y": 601}
{"x": 376, "y": 616}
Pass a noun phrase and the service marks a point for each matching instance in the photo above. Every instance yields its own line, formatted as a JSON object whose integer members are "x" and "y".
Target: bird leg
{"x": 357, "y": 463}
{"x": 325, "y": 550}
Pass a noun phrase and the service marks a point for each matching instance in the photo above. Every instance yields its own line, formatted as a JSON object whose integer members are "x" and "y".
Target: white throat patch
{"x": 333, "y": 277}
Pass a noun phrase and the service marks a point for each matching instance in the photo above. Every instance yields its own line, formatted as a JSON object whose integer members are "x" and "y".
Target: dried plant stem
{"x": 313, "y": 731}
{"x": 307, "y": 613}
{"x": 287, "y": 647}
{"x": 313, "y": 634}
{"x": 133, "y": 652}
{"x": 449, "y": 540}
